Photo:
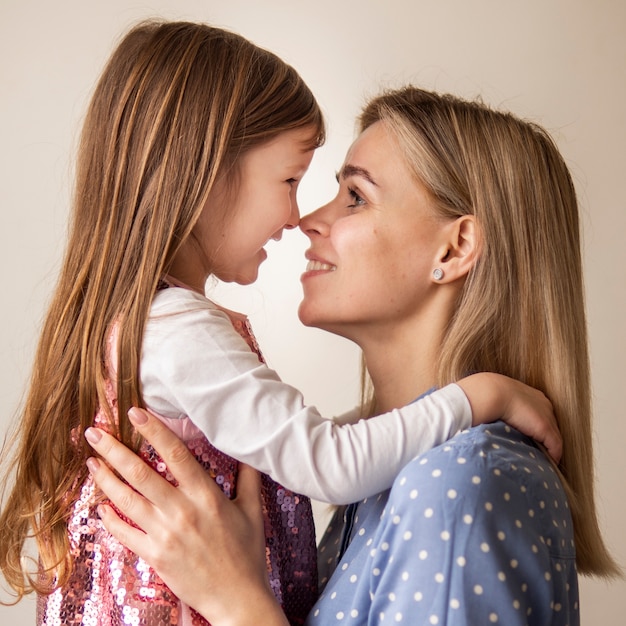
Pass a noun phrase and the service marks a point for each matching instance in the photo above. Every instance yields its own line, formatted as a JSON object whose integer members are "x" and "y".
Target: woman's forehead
{"x": 372, "y": 154}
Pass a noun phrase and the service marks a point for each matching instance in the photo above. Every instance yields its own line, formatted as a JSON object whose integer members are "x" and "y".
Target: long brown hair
{"x": 521, "y": 311}
{"x": 177, "y": 104}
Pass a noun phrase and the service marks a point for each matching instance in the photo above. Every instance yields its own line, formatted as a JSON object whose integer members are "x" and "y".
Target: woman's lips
{"x": 315, "y": 266}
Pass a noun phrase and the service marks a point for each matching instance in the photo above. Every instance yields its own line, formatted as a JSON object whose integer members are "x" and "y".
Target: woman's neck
{"x": 402, "y": 364}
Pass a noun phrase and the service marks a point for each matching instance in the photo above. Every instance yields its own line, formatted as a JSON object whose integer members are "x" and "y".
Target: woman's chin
{"x": 305, "y": 314}
{"x": 313, "y": 318}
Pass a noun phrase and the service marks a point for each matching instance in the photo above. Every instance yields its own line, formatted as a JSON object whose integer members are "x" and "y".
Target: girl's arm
{"x": 493, "y": 396}
{"x": 194, "y": 364}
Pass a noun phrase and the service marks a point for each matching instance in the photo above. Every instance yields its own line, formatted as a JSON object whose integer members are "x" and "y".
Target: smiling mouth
{"x": 313, "y": 266}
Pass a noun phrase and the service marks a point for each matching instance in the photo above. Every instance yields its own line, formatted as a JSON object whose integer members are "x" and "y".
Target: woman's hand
{"x": 208, "y": 549}
{"x": 494, "y": 396}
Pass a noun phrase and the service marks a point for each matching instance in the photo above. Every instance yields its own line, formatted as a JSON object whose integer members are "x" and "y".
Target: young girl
{"x": 191, "y": 154}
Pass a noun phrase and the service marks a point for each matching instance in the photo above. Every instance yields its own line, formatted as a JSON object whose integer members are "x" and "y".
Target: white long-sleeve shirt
{"x": 194, "y": 364}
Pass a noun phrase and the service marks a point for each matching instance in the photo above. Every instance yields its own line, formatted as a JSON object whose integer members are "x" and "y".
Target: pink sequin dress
{"x": 112, "y": 586}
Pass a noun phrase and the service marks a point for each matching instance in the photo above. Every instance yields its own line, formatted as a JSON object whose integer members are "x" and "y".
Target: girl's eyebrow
{"x": 354, "y": 170}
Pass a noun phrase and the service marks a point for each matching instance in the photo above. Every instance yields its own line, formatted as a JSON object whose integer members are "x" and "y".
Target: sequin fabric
{"x": 111, "y": 586}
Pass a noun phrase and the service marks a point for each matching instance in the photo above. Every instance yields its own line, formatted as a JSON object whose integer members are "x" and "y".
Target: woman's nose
{"x": 317, "y": 222}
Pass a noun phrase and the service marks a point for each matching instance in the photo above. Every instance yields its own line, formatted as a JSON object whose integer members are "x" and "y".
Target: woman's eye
{"x": 291, "y": 181}
{"x": 356, "y": 198}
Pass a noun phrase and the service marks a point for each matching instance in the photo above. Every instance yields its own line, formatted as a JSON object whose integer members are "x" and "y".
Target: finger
{"x": 132, "y": 504}
{"x": 249, "y": 490}
{"x": 181, "y": 463}
{"x": 554, "y": 444}
{"x": 133, "y": 538}
{"x": 128, "y": 465}
{"x": 553, "y": 440}
{"x": 549, "y": 434}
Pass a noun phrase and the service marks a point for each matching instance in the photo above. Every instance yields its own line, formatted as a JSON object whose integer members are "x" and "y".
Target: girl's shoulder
{"x": 174, "y": 299}
{"x": 180, "y": 318}
{"x": 179, "y": 300}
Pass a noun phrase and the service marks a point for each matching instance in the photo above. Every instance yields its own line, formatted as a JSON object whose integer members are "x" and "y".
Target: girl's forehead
{"x": 297, "y": 141}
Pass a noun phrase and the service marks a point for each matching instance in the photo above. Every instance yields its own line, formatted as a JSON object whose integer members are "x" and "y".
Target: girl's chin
{"x": 241, "y": 276}
{"x": 249, "y": 274}
{"x": 246, "y": 278}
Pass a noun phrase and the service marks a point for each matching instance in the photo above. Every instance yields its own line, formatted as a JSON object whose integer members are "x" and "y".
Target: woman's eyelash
{"x": 355, "y": 197}
{"x": 291, "y": 181}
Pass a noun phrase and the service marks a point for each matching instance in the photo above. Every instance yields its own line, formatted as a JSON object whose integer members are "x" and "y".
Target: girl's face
{"x": 374, "y": 247}
{"x": 264, "y": 204}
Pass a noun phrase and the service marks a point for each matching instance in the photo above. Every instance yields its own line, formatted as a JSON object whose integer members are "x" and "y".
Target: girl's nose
{"x": 294, "y": 217}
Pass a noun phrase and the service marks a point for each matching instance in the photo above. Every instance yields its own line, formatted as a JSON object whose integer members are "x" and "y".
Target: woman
{"x": 451, "y": 247}
{"x": 187, "y": 168}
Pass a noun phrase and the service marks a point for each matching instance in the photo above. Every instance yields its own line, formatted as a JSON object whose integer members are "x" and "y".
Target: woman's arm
{"x": 189, "y": 528}
{"x": 181, "y": 527}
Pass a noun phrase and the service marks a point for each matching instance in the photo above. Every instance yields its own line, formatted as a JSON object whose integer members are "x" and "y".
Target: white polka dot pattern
{"x": 476, "y": 531}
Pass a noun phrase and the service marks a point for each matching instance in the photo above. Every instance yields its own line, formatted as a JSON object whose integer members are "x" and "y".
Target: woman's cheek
{"x": 350, "y": 236}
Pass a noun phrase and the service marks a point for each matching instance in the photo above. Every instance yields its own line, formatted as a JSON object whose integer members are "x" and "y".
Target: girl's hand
{"x": 208, "y": 549}
{"x": 494, "y": 396}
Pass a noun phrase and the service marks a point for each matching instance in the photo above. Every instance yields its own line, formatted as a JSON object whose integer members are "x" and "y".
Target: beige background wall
{"x": 561, "y": 62}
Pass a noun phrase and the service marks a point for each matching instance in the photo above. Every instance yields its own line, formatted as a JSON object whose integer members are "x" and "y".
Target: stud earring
{"x": 438, "y": 273}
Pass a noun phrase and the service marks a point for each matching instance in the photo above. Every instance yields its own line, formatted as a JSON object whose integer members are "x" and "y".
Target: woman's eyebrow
{"x": 355, "y": 170}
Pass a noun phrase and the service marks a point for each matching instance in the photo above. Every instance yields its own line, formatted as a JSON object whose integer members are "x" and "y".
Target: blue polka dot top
{"x": 476, "y": 531}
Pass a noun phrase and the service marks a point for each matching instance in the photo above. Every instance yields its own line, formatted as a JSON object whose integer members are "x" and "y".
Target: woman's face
{"x": 374, "y": 247}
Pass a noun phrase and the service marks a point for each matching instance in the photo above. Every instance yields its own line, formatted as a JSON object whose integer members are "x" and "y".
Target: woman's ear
{"x": 460, "y": 250}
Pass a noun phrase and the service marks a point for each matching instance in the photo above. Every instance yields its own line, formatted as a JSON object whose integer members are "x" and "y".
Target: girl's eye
{"x": 356, "y": 198}
{"x": 291, "y": 181}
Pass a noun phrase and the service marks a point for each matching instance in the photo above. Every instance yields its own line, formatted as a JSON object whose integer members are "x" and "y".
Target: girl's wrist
{"x": 485, "y": 395}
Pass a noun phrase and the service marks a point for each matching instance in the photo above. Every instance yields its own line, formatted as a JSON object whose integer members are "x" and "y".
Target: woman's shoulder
{"x": 485, "y": 511}
{"x": 483, "y": 447}
{"x": 488, "y": 469}
{"x": 487, "y": 451}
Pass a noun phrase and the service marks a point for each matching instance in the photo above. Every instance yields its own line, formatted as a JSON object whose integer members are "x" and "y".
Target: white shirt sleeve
{"x": 195, "y": 364}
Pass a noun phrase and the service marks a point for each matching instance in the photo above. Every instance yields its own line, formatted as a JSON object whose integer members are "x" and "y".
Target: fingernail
{"x": 93, "y": 465}
{"x": 137, "y": 416}
{"x": 101, "y": 509}
{"x": 93, "y": 435}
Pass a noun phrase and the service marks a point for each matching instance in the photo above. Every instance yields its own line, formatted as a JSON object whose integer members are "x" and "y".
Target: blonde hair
{"x": 176, "y": 106}
{"x": 521, "y": 310}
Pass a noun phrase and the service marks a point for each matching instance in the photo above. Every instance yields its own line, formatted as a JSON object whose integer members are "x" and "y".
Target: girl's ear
{"x": 460, "y": 251}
